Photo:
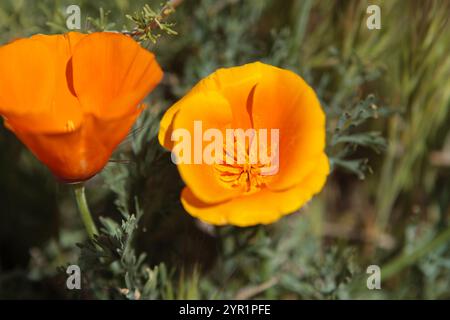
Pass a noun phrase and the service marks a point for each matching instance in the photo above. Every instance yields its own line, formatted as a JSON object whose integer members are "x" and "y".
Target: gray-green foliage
{"x": 373, "y": 84}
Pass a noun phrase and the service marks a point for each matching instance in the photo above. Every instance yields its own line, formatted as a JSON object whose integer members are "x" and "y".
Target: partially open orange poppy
{"x": 257, "y": 96}
{"x": 72, "y": 98}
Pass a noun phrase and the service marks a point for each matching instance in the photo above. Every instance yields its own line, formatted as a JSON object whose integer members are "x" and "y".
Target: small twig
{"x": 440, "y": 158}
{"x": 165, "y": 11}
{"x": 250, "y": 292}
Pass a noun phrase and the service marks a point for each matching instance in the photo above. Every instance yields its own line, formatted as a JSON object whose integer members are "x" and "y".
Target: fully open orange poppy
{"x": 255, "y": 96}
{"x": 72, "y": 98}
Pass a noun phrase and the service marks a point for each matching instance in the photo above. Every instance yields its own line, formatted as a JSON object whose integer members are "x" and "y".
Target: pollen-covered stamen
{"x": 247, "y": 176}
{"x": 70, "y": 126}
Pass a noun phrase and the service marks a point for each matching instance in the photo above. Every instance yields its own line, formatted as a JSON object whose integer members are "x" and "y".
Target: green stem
{"x": 86, "y": 216}
{"x": 405, "y": 260}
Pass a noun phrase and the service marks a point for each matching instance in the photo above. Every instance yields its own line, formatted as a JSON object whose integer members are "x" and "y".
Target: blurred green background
{"x": 385, "y": 203}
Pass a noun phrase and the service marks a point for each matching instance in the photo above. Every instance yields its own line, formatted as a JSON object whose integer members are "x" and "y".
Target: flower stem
{"x": 86, "y": 216}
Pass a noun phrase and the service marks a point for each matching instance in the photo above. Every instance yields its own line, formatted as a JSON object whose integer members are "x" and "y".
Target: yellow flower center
{"x": 247, "y": 176}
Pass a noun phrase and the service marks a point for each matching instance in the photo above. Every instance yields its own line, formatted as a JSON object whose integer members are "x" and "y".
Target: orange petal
{"x": 283, "y": 100}
{"x": 166, "y": 126}
{"x": 233, "y": 84}
{"x": 236, "y": 85}
{"x": 263, "y": 207}
{"x": 112, "y": 73}
{"x": 32, "y": 90}
{"x": 39, "y": 97}
{"x": 80, "y": 154}
{"x": 213, "y": 111}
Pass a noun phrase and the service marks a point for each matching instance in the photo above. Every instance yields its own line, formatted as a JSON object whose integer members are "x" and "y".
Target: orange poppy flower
{"x": 72, "y": 98}
{"x": 254, "y": 96}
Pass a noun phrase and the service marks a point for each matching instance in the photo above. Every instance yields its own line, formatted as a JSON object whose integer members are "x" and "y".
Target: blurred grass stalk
{"x": 412, "y": 49}
{"x": 406, "y": 259}
{"x": 420, "y": 84}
